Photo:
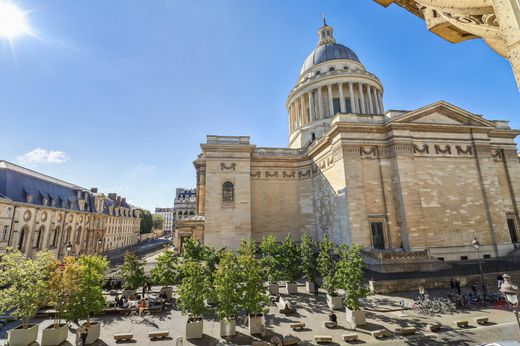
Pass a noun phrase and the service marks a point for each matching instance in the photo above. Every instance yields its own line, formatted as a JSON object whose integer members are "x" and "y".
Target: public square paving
{"x": 383, "y": 312}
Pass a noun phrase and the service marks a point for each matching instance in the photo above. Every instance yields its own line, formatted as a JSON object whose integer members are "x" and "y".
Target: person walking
{"x": 316, "y": 289}
{"x": 452, "y": 286}
{"x": 457, "y": 287}
{"x": 500, "y": 280}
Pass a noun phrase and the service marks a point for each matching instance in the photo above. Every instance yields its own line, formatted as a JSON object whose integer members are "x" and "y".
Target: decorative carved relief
{"x": 496, "y": 154}
{"x": 385, "y": 152}
{"x": 468, "y": 150}
{"x": 510, "y": 154}
{"x": 370, "y": 152}
{"x": 269, "y": 174}
{"x": 403, "y": 149}
{"x": 231, "y": 166}
{"x": 425, "y": 149}
{"x": 306, "y": 173}
{"x": 257, "y": 174}
{"x": 288, "y": 174}
{"x": 351, "y": 151}
{"x": 439, "y": 150}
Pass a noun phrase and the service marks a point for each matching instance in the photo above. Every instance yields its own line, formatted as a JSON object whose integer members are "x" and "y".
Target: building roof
{"x": 327, "y": 52}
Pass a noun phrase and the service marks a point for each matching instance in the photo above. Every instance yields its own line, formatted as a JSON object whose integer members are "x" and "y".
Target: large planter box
{"x": 273, "y": 288}
{"x": 228, "y": 327}
{"x": 356, "y": 317}
{"x": 168, "y": 291}
{"x": 292, "y": 287}
{"x": 93, "y": 332}
{"x": 194, "y": 329}
{"x": 256, "y": 324}
{"x": 22, "y": 337}
{"x": 128, "y": 293}
{"x": 310, "y": 286}
{"x": 54, "y": 336}
{"x": 334, "y": 302}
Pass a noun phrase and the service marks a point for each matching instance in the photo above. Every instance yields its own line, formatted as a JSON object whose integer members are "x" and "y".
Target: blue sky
{"x": 118, "y": 94}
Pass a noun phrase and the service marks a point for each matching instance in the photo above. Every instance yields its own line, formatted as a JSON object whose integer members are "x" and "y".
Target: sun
{"x": 13, "y": 21}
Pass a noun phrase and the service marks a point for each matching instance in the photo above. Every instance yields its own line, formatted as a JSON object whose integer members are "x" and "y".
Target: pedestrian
{"x": 457, "y": 287}
{"x": 83, "y": 337}
{"x": 500, "y": 280}
{"x": 316, "y": 289}
{"x": 422, "y": 292}
{"x": 452, "y": 286}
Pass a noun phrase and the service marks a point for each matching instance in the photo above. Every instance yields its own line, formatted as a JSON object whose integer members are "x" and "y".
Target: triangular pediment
{"x": 442, "y": 113}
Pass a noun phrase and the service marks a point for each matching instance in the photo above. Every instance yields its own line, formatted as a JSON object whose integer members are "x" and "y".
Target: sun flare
{"x": 13, "y": 21}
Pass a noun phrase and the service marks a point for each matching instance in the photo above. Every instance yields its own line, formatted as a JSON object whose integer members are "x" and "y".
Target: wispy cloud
{"x": 144, "y": 168}
{"x": 40, "y": 155}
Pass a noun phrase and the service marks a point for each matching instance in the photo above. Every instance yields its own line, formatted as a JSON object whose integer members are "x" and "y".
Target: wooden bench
{"x": 406, "y": 330}
{"x": 434, "y": 326}
{"x": 127, "y": 336}
{"x": 322, "y": 338}
{"x": 350, "y": 337}
{"x": 159, "y": 334}
{"x": 481, "y": 320}
{"x": 380, "y": 333}
{"x": 290, "y": 340}
{"x": 461, "y": 323}
{"x": 329, "y": 324}
{"x": 297, "y": 325}
{"x": 260, "y": 343}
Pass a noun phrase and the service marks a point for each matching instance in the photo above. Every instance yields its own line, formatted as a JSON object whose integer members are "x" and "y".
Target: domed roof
{"x": 327, "y": 52}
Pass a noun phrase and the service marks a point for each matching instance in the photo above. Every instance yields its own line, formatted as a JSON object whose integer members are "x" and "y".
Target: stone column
{"x": 380, "y": 100}
{"x": 361, "y": 97}
{"x": 376, "y": 103}
{"x": 321, "y": 113}
{"x": 331, "y": 102}
{"x": 341, "y": 98}
{"x": 302, "y": 109}
{"x": 311, "y": 106}
{"x": 352, "y": 98}
{"x": 369, "y": 96}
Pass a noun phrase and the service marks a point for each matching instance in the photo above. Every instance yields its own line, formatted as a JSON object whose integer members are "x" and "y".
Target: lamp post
{"x": 510, "y": 291}
{"x": 99, "y": 242}
{"x": 476, "y": 245}
{"x": 68, "y": 247}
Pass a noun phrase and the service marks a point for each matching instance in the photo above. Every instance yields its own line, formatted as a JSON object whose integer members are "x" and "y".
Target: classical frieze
{"x": 224, "y": 166}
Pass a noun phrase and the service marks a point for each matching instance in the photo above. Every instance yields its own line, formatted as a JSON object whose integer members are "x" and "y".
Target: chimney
{"x": 94, "y": 190}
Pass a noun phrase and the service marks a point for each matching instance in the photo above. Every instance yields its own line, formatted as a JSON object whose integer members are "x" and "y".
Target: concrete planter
{"x": 128, "y": 293}
{"x": 273, "y": 288}
{"x": 22, "y": 337}
{"x": 54, "y": 336}
{"x": 228, "y": 327}
{"x": 93, "y": 332}
{"x": 292, "y": 287}
{"x": 334, "y": 302}
{"x": 256, "y": 324}
{"x": 310, "y": 287}
{"x": 194, "y": 329}
{"x": 168, "y": 291}
{"x": 356, "y": 317}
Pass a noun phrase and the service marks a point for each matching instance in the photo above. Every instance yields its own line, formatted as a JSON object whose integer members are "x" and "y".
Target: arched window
{"x": 38, "y": 237}
{"x": 21, "y": 238}
{"x": 228, "y": 192}
{"x": 53, "y": 237}
{"x": 78, "y": 236}
{"x": 331, "y": 69}
{"x": 317, "y": 73}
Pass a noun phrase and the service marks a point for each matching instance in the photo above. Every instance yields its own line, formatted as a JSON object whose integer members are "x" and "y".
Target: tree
{"x": 271, "y": 258}
{"x": 63, "y": 284}
{"x": 146, "y": 221}
{"x": 132, "y": 272}
{"x": 23, "y": 283}
{"x": 308, "y": 258}
{"x": 166, "y": 271}
{"x": 349, "y": 272}
{"x": 194, "y": 288}
{"x": 158, "y": 221}
{"x": 227, "y": 286}
{"x": 89, "y": 298}
{"x": 254, "y": 297}
{"x": 194, "y": 250}
{"x": 290, "y": 259}
{"x": 326, "y": 265}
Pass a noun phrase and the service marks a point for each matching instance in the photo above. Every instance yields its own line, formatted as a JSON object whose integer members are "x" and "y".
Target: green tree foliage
{"x": 308, "y": 249}
{"x": 146, "y": 221}
{"x": 194, "y": 250}
{"x": 166, "y": 271}
{"x": 326, "y": 265}
{"x": 349, "y": 273}
{"x": 63, "y": 283}
{"x": 132, "y": 272}
{"x": 254, "y": 296}
{"x": 290, "y": 259}
{"x": 271, "y": 259}
{"x": 23, "y": 282}
{"x": 228, "y": 286}
{"x": 194, "y": 288}
{"x": 89, "y": 299}
{"x": 158, "y": 221}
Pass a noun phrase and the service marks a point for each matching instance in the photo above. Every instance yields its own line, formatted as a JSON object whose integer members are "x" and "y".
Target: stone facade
{"x": 431, "y": 179}
{"x": 497, "y": 22}
{"x": 38, "y": 212}
{"x": 168, "y": 216}
{"x": 184, "y": 205}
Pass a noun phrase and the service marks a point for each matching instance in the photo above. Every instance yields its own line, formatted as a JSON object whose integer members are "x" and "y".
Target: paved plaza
{"x": 383, "y": 312}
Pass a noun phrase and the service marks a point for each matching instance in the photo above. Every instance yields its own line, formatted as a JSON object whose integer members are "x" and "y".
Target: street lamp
{"x": 100, "y": 242}
{"x": 68, "y": 247}
{"x": 476, "y": 245}
{"x": 510, "y": 291}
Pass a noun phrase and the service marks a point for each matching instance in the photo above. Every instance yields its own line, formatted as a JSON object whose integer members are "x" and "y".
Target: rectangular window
{"x": 337, "y": 106}
{"x": 463, "y": 258}
{"x": 440, "y": 259}
{"x": 348, "y": 106}
{"x": 378, "y": 237}
{"x": 512, "y": 229}
{"x": 4, "y": 233}
{"x": 487, "y": 256}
